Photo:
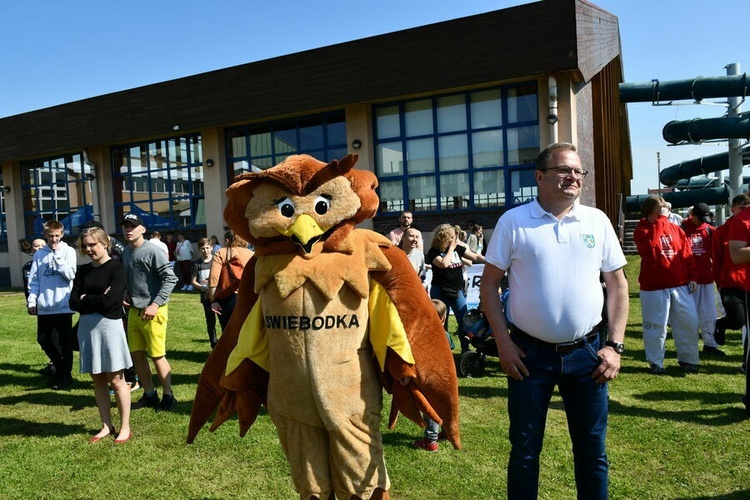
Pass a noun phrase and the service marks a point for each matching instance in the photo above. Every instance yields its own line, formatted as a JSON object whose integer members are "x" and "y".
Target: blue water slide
{"x": 691, "y": 176}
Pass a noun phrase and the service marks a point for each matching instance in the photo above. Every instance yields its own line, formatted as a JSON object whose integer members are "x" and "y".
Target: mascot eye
{"x": 322, "y": 204}
{"x": 286, "y": 207}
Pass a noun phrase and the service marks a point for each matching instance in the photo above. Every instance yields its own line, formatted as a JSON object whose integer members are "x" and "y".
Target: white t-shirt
{"x": 160, "y": 244}
{"x": 184, "y": 250}
{"x": 555, "y": 291}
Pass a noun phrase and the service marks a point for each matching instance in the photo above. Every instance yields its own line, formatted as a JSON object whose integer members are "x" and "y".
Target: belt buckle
{"x": 565, "y": 346}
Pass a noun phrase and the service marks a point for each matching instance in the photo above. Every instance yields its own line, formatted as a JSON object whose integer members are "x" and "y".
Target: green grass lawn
{"x": 674, "y": 436}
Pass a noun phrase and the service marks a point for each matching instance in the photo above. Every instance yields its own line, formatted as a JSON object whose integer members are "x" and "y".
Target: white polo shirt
{"x": 554, "y": 265}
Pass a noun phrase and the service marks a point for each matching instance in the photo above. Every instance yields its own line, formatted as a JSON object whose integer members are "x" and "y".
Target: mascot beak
{"x": 305, "y": 232}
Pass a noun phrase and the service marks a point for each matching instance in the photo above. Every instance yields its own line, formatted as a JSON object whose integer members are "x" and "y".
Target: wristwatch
{"x": 619, "y": 347}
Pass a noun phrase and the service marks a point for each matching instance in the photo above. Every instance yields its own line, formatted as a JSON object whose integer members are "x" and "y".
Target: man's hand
{"x": 32, "y": 310}
{"x": 150, "y": 312}
{"x": 692, "y": 286}
{"x": 510, "y": 357}
{"x": 609, "y": 366}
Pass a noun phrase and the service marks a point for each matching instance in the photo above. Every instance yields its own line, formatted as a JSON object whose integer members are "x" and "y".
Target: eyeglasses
{"x": 566, "y": 171}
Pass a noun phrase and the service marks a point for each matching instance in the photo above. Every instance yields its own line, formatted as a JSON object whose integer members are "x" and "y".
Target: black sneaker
{"x": 146, "y": 401}
{"x": 168, "y": 403}
{"x": 60, "y": 383}
{"x": 720, "y": 336}
{"x": 656, "y": 369}
{"x": 48, "y": 371}
{"x": 713, "y": 351}
{"x": 688, "y": 367}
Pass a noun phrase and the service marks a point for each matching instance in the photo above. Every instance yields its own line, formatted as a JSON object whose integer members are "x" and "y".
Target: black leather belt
{"x": 561, "y": 347}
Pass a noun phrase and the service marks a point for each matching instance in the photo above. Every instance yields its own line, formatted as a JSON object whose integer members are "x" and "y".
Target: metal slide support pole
{"x": 735, "y": 150}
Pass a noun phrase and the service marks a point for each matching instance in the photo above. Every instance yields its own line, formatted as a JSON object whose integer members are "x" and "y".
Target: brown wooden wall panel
{"x": 598, "y": 39}
{"x": 613, "y": 155}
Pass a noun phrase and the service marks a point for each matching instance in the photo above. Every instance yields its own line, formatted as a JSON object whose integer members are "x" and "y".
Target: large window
{"x": 60, "y": 189}
{"x": 258, "y": 147}
{"x": 162, "y": 181}
{"x": 458, "y": 151}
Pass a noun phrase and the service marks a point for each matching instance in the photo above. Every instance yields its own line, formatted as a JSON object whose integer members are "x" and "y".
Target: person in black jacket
{"x": 98, "y": 292}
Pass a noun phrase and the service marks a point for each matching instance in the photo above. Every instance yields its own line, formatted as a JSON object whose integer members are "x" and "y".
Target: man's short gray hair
{"x": 543, "y": 159}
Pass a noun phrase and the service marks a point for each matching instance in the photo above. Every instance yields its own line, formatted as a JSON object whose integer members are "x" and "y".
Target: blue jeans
{"x": 585, "y": 403}
{"x": 431, "y": 429}
{"x": 459, "y": 308}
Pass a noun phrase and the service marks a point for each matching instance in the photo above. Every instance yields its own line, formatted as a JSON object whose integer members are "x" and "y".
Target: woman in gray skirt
{"x": 98, "y": 291}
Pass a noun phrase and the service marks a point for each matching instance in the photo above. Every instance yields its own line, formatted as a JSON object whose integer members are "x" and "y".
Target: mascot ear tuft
{"x": 238, "y": 196}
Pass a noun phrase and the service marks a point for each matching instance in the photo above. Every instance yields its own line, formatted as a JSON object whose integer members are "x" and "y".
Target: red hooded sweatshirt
{"x": 700, "y": 238}
{"x": 739, "y": 230}
{"x": 666, "y": 255}
{"x": 727, "y": 274}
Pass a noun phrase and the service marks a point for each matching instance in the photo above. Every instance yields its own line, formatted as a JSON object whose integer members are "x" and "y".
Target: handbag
{"x": 229, "y": 278}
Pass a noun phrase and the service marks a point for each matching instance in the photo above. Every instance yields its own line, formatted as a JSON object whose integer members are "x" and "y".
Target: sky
{"x": 54, "y": 52}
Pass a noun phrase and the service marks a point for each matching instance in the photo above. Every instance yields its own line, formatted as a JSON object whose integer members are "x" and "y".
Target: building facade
{"x": 449, "y": 116}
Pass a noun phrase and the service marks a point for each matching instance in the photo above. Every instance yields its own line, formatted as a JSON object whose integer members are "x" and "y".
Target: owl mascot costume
{"x": 327, "y": 317}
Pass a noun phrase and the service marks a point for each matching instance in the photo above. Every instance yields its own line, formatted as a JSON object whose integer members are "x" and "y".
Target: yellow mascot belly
{"x": 323, "y": 392}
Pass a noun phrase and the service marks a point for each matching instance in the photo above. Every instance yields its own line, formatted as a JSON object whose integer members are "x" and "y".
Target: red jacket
{"x": 700, "y": 241}
{"x": 739, "y": 230}
{"x": 666, "y": 255}
{"x": 727, "y": 274}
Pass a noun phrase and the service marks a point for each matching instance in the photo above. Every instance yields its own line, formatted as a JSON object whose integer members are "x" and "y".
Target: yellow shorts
{"x": 149, "y": 336}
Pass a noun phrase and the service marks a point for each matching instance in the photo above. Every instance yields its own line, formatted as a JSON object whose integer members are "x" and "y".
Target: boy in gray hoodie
{"x": 150, "y": 282}
{"x": 50, "y": 281}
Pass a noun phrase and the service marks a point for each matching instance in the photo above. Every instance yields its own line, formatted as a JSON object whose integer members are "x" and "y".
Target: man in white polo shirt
{"x": 556, "y": 250}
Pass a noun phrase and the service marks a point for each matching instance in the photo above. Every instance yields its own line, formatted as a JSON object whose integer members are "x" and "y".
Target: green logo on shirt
{"x": 588, "y": 240}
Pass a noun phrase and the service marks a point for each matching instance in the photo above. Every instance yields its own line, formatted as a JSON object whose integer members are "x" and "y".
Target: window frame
{"x": 327, "y": 151}
{"x": 401, "y": 177}
{"x": 174, "y": 181}
{"x": 47, "y": 197}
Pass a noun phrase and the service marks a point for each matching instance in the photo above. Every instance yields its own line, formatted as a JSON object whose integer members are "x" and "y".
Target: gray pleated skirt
{"x": 103, "y": 345}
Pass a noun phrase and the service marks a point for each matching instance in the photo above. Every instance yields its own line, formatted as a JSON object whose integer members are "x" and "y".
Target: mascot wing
{"x": 225, "y": 393}
{"x": 434, "y": 385}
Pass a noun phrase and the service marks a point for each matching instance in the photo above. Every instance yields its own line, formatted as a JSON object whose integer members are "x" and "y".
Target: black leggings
{"x": 227, "y": 306}
{"x": 733, "y": 301}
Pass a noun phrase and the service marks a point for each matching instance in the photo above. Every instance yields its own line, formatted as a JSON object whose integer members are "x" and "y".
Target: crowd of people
{"x": 567, "y": 267}
{"x": 122, "y": 298}
{"x": 684, "y": 263}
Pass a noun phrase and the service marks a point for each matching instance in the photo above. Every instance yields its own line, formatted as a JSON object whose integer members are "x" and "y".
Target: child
{"x": 201, "y": 269}
{"x": 431, "y": 431}
{"x": 31, "y": 249}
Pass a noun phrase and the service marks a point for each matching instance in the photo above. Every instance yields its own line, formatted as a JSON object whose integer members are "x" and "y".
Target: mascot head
{"x": 301, "y": 205}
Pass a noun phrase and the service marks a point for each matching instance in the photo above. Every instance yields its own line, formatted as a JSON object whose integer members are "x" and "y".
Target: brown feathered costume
{"x": 327, "y": 315}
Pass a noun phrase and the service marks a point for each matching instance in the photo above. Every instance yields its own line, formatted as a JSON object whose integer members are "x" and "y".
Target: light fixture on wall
{"x": 356, "y": 144}
{"x": 176, "y": 128}
{"x": 209, "y": 163}
{"x": 6, "y": 189}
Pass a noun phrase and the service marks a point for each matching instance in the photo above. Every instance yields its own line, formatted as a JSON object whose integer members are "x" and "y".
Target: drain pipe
{"x": 89, "y": 168}
{"x": 552, "y": 114}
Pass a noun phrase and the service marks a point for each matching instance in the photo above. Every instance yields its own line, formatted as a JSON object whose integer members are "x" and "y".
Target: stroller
{"x": 472, "y": 362}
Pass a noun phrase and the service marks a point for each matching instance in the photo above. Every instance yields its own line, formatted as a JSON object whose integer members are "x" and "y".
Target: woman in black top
{"x": 98, "y": 291}
{"x": 445, "y": 256}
